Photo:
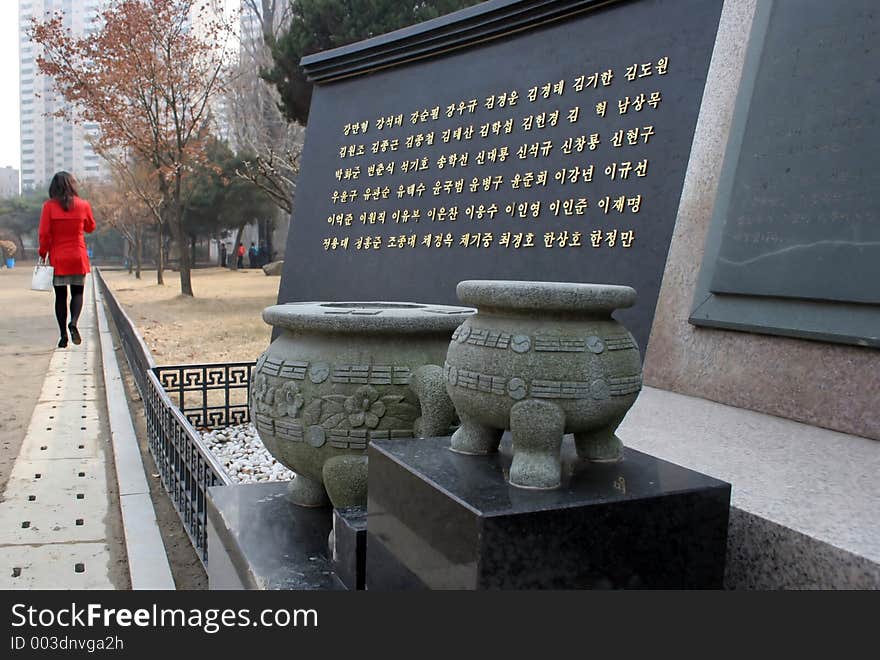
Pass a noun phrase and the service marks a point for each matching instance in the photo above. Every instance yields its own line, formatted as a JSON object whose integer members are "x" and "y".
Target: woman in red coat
{"x": 63, "y": 222}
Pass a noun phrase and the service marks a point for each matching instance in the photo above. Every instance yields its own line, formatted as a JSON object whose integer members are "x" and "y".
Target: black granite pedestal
{"x": 258, "y": 539}
{"x": 440, "y": 520}
{"x": 348, "y": 546}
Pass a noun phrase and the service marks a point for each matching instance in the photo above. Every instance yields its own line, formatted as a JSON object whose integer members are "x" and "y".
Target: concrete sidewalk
{"x": 28, "y": 335}
{"x": 60, "y": 525}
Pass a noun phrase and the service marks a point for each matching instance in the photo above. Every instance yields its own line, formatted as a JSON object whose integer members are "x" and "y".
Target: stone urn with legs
{"x": 542, "y": 359}
{"x": 342, "y": 374}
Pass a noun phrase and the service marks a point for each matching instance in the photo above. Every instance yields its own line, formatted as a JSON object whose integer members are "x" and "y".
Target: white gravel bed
{"x": 243, "y": 455}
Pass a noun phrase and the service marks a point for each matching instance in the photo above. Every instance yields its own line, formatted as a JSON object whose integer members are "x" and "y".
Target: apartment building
{"x": 8, "y": 182}
{"x": 49, "y": 143}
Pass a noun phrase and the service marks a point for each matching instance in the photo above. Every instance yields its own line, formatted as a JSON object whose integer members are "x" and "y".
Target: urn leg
{"x": 307, "y": 492}
{"x": 537, "y": 428}
{"x": 345, "y": 478}
{"x": 474, "y": 438}
{"x": 438, "y": 413}
{"x": 600, "y": 445}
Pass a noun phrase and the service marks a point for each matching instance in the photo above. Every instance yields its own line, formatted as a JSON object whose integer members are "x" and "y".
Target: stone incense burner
{"x": 342, "y": 374}
{"x": 542, "y": 359}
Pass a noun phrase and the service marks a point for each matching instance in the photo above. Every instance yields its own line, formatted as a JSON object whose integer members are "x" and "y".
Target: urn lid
{"x": 572, "y": 297}
{"x": 382, "y": 317}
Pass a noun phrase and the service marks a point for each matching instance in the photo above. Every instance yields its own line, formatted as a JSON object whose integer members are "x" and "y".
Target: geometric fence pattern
{"x": 210, "y": 395}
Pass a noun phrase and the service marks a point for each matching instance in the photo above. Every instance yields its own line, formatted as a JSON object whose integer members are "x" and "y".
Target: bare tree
{"x": 258, "y": 127}
{"x": 137, "y": 182}
{"x": 123, "y": 209}
{"x": 273, "y": 16}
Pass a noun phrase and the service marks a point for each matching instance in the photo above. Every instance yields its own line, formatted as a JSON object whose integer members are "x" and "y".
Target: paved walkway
{"x": 60, "y": 525}
{"x": 27, "y": 341}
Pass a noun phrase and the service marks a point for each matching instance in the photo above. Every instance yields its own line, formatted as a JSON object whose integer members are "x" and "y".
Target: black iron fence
{"x": 136, "y": 352}
{"x": 179, "y": 401}
{"x": 185, "y": 464}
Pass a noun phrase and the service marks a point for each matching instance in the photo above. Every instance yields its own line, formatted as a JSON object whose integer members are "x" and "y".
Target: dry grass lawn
{"x": 222, "y": 323}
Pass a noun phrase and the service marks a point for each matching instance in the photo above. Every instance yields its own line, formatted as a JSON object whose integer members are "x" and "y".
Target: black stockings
{"x": 76, "y": 304}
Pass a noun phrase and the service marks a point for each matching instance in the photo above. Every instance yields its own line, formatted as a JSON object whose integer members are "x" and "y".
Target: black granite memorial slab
{"x": 440, "y": 520}
{"x": 794, "y": 244}
{"x": 258, "y": 539}
{"x": 517, "y": 139}
{"x": 348, "y": 549}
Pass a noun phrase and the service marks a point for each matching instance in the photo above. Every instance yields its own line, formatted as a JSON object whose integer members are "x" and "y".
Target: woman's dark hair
{"x": 63, "y": 189}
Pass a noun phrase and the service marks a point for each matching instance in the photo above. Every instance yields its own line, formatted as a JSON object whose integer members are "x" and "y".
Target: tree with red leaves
{"x": 148, "y": 76}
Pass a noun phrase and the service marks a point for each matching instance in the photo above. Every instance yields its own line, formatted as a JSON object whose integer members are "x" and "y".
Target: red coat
{"x": 61, "y": 236}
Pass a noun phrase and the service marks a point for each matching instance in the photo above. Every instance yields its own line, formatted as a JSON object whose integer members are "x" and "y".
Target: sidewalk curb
{"x": 147, "y": 559}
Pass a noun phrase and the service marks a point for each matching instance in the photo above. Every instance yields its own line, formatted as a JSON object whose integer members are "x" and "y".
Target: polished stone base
{"x": 348, "y": 546}
{"x": 258, "y": 539}
{"x": 441, "y": 520}
{"x": 797, "y": 519}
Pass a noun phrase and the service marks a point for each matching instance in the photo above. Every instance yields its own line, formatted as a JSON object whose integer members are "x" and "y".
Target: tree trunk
{"x": 160, "y": 257}
{"x": 185, "y": 273}
{"x": 129, "y": 248}
{"x": 175, "y": 222}
{"x": 138, "y": 250}
{"x": 235, "y": 244}
{"x": 192, "y": 249}
{"x": 270, "y": 225}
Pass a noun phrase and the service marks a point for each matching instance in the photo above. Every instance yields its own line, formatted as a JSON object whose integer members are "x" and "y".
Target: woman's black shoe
{"x": 62, "y": 343}
{"x": 74, "y": 335}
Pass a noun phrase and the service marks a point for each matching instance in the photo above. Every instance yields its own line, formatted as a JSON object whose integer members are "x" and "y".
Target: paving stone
{"x": 31, "y": 523}
{"x": 64, "y": 429}
{"x": 61, "y": 475}
{"x": 69, "y": 387}
{"x": 76, "y": 360}
{"x": 78, "y": 498}
{"x": 59, "y": 566}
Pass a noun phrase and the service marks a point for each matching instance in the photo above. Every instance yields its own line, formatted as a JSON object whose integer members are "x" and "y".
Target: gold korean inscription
{"x": 440, "y": 177}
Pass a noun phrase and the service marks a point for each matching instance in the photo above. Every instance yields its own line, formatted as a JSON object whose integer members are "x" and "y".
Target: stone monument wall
{"x": 826, "y": 384}
{"x": 515, "y": 139}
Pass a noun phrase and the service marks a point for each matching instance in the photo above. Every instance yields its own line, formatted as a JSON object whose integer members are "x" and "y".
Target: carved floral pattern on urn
{"x": 364, "y": 409}
{"x": 341, "y": 374}
{"x": 288, "y": 400}
{"x": 262, "y": 394}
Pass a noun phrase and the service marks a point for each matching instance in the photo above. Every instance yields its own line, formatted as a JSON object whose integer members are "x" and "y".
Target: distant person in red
{"x": 63, "y": 223}
{"x": 240, "y": 263}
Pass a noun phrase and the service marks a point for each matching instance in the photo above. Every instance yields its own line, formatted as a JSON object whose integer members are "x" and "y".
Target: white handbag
{"x": 43, "y": 275}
